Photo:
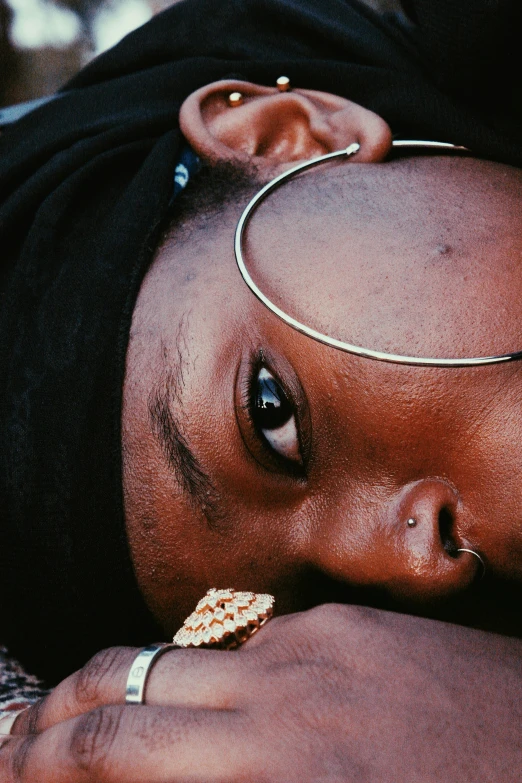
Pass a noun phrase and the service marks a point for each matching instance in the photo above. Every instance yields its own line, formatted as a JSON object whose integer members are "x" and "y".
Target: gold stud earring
{"x": 235, "y": 99}
{"x": 283, "y": 84}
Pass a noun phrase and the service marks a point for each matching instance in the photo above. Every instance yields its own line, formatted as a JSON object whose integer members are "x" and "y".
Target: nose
{"x": 425, "y": 562}
{"x": 409, "y": 548}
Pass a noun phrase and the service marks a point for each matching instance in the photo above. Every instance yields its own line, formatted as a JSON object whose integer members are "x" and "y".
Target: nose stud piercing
{"x": 411, "y": 522}
{"x": 235, "y": 99}
{"x": 476, "y": 554}
{"x": 283, "y": 84}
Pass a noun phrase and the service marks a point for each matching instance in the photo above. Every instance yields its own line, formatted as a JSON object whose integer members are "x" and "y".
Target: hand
{"x": 339, "y": 693}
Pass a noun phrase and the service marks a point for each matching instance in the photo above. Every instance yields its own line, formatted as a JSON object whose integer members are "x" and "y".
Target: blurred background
{"x": 45, "y": 42}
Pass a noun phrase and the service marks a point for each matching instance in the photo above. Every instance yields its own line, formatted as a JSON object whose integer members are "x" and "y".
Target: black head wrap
{"x": 85, "y": 186}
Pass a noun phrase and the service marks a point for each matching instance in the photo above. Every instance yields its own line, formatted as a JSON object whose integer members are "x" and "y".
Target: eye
{"x": 273, "y": 416}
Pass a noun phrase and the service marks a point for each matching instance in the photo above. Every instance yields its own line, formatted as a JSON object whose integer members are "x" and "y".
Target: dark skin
{"x": 318, "y": 511}
{"x": 344, "y": 515}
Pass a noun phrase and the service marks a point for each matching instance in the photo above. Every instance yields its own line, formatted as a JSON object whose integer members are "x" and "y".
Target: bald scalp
{"x": 423, "y": 185}
{"x": 417, "y": 255}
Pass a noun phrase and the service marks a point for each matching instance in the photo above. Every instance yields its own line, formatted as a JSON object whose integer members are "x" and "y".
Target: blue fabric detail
{"x": 11, "y": 114}
{"x": 187, "y": 166}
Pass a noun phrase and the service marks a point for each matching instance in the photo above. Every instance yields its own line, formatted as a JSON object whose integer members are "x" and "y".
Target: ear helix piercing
{"x": 476, "y": 554}
{"x": 283, "y": 84}
{"x": 235, "y": 99}
{"x": 411, "y": 522}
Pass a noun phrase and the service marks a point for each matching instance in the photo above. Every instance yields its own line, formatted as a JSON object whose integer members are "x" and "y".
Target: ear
{"x": 273, "y": 129}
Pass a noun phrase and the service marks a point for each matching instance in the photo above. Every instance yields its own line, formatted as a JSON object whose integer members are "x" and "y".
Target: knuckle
{"x": 327, "y": 613}
{"x": 335, "y": 619}
{"x": 29, "y": 721}
{"x": 93, "y": 738}
{"x": 90, "y": 681}
{"x": 19, "y": 759}
{"x": 34, "y": 716}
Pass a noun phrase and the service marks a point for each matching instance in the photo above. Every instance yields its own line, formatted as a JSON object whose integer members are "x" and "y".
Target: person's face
{"x": 258, "y": 459}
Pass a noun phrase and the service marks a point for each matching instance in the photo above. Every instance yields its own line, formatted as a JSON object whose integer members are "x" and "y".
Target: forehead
{"x": 417, "y": 256}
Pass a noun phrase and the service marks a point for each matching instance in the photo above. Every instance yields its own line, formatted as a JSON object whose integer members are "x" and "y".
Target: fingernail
{"x": 7, "y": 720}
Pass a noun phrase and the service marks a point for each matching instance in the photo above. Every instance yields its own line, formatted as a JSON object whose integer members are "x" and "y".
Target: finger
{"x": 198, "y": 678}
{"x": 7, "y": 720}
{"x": 131, "y": 744}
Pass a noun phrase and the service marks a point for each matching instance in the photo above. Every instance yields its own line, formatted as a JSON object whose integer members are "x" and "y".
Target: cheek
{"x": 491, "y": 461}
{"x": 244, "y": 540}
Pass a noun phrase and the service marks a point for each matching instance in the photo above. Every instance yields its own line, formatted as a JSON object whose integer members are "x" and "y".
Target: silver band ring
{"x": 476, "y": 554}
{"x": 140, "y": 671}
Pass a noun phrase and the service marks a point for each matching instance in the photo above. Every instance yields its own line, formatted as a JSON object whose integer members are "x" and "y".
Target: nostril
{"x": 446, "y": 532}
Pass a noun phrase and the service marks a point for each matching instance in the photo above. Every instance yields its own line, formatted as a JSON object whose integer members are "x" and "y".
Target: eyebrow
{"x": 166, "y": 417}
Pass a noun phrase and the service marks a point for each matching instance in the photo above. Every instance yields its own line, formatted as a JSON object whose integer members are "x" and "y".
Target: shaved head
{"x": 417, "y": 255}
{"x": 424, "y": 254}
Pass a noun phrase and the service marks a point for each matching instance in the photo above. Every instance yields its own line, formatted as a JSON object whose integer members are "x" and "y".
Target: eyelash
{"x": 248, "y": 396}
